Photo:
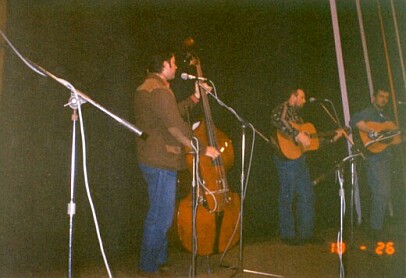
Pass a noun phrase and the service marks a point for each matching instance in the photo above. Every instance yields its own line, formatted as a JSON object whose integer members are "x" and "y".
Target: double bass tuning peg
{"x": 188, "y": 44}
{"x": 188, "y": 48}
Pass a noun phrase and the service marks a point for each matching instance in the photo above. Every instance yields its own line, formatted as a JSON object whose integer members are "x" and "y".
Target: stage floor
{"x": 269, "y": 257}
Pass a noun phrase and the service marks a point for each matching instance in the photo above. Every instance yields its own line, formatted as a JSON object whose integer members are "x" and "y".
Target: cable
{"x": 89, "y": 196}
{"x": 340, "y": 177}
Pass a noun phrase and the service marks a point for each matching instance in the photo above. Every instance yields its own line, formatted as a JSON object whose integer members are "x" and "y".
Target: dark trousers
{"x": 379, "y": 181}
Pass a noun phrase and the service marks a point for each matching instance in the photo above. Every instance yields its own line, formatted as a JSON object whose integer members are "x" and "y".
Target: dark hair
{"x": 292, "y": 91}
{"x": 157, "y": 61}
{"x": 380, "y": 90}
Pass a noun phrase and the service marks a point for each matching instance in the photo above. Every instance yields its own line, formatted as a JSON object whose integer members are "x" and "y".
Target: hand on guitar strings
{"x": 339, "y": 133}
{"x": 373, "y": 134}
{"x": 212, "y": 152}
{"x": 303, "y": 139}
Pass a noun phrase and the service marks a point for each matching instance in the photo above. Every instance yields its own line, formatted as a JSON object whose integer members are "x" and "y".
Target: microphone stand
{"x": 244, "y": 124}
{"x": 77, "y": 98}
{"x": 195, "y": 187}
{"x": 340, "y": 177}
{"x": 72, "y": 204}
{"x": 341, "y": 193}
{"x": 354, "y": 179}
{"x": 336, "y": 121}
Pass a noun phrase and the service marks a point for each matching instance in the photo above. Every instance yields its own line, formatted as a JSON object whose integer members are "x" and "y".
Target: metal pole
{"x": 340, "y": 64}
{"x": 71, "y": 204}
{"x": 365, "y": 49}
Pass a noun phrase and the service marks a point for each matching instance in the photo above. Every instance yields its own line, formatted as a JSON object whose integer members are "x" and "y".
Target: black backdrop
{"x": 252, "y": 50}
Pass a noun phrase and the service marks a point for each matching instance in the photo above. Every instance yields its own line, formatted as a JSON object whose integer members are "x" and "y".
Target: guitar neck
{"x": 322, "y": 134}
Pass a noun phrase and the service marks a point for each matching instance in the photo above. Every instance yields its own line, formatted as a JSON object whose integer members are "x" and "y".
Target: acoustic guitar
{"x": 292, "y": 149}
{"x": 388, "y": 134}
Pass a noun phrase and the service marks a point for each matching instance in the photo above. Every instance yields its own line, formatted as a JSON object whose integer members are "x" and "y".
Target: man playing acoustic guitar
{"x": 371, "y": 123}
{"x": 294, "y": 178}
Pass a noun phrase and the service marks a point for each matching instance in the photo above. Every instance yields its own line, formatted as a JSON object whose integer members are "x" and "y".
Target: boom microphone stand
{"x": 77, "y": 98}
{"x": 75, "y": 101}
{"x": 243, "y": 180}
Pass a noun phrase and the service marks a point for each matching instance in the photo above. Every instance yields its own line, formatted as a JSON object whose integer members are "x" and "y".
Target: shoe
{"x": 165, "y": 270}
{"x": 165, "y": 267}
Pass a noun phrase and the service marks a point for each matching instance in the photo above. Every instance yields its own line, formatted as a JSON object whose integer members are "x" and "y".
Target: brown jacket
{"x": 159, "y": 115}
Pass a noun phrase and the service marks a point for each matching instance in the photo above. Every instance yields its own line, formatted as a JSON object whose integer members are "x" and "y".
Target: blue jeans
{"x": 161, "y": 194}
{"x": 295, "y": 184}
{"x": 379, "y": 181}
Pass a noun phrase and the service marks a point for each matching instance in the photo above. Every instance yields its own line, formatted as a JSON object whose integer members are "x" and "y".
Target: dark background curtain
{"x": 252, "y": 50}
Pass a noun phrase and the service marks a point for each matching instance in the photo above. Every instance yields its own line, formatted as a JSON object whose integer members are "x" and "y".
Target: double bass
{"x": 217, "y": 208}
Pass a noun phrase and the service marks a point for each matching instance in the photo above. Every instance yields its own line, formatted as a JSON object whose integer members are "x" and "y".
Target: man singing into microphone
{"x": 161, "y": 154}
{"x": 294, "y": 177}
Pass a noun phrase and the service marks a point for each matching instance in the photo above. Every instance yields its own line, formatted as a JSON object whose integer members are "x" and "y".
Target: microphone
{"x": 312, "y": 99}
{"x": 186, "y": 76}
{"x": 401, "y": 102}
